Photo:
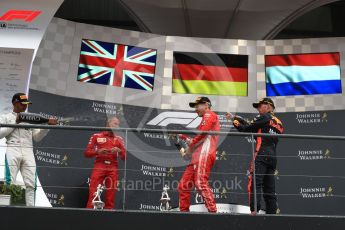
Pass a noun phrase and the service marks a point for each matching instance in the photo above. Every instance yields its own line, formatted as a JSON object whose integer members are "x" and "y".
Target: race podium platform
{"x": 67, "y": 218}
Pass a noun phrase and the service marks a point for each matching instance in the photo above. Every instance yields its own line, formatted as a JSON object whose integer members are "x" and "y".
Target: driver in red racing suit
{"x": 203, "y": 148}
{"x": 106, "y": 147}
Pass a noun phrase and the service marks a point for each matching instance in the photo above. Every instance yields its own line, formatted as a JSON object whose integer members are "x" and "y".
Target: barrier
{"x": 143, "y": 188}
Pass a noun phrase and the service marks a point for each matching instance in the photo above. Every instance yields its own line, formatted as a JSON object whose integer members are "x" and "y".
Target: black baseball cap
{"x": 265, "y": 100}
{"x": 199, "y": 100}
{"x": 22, "y": 98}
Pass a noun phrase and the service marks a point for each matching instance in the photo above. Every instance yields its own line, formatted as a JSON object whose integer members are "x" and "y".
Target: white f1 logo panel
{"x": 190, "y": 120}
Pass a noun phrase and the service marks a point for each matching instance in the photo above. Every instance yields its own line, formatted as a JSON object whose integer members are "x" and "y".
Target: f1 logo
{"x": 191, "y": 120}
{"x": 25, "y": 15}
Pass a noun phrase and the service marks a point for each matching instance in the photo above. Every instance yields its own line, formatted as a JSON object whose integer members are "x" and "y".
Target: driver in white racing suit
{"x": 19, "y": 152}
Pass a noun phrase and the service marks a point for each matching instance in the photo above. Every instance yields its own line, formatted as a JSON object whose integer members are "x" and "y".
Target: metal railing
{"x": 173, "y": 131}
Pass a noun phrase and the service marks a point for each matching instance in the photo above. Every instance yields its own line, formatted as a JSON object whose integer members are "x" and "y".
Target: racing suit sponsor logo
{"x": 101, "y": 140}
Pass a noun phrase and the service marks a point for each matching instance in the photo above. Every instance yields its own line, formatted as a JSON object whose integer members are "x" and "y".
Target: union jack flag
{"x": 117, "y": 65}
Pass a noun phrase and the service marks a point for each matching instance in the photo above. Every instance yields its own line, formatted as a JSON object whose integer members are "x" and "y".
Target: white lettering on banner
{"x": 308, "y": 116}
{"x": 55, "y": 199}
{"x": 48, "y": 157}
{"x": 104, "y": 108}
{"x": 308, "y": 121}
{"x": 155, "y": 168}
{"x": 317, "y": 192}
{"x": 311, "y": 157}
{"x": 149, "y": 207}
{"x": 311, "y": 118}
{"x": 319, "y": 195}
{"x": 250, "y": 140}
{"x": 47, "y": 160}
{"x": 156, "y": 136}
{"x": 314, "y": 154}
{"x": 154, "y": 174}
{"x": 312, "y": 190}
{"x": 154, "y": 171}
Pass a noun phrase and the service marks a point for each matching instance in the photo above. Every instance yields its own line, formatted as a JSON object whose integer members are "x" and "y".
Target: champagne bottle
{"x": 181, "y": 145}
{"x": 32, "y": 118}
{"x": 241, "y": 120}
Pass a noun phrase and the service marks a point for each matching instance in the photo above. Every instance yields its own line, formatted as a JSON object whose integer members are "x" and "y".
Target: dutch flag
{"x": 303, "y": 74}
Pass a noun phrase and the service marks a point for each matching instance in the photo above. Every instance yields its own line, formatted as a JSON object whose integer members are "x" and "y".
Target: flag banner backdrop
{"x": 303, "y": 74}
{"x": 210, "y": 73}
{"x": 117, "y": 65}
{"x": 60, "y": 77}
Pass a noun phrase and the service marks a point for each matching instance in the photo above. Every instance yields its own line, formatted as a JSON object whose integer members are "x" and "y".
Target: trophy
{"x": 181, "y": 145}
{"x": 165, "y": 199}
{"x": 96, "y": 201}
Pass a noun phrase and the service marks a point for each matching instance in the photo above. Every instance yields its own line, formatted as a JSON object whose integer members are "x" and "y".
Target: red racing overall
{"x": 203, "y": 158}
{"x": 106, "y": 165}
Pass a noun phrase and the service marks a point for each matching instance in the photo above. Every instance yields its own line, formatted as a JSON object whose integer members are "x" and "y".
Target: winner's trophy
{"x": 165, "y": 199}
{"x": 96, "y": 201}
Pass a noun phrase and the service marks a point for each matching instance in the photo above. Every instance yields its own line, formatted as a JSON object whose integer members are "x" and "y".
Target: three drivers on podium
{"x": 107, "y": 146}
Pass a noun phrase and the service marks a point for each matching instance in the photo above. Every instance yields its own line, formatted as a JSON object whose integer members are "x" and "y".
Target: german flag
{"x": 210, "y": 73}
